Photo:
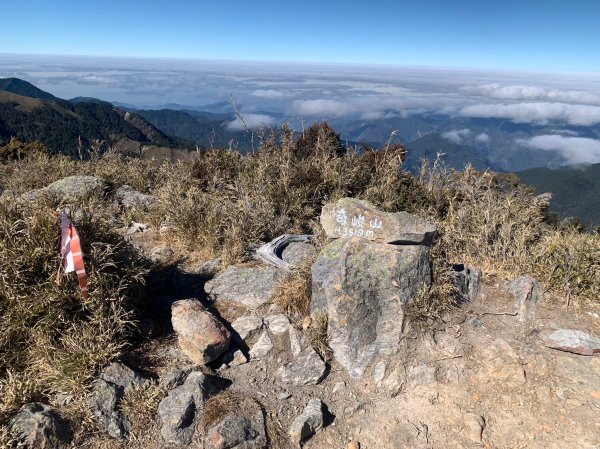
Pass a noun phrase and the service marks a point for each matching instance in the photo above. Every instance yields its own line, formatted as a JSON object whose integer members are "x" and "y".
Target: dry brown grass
{"x": 316, "y": 333}
{"x": 51, "y": 341}
{"x": 293, "y": 294}
{"x": 140, "y": 407}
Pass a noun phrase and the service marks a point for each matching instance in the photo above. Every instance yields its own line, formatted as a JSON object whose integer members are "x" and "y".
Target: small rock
{"x": 353, "y": 445}
{"x": 308, "y": 423}
{"x": 247, "y": 327}
{"x": 261, "y": 348}
{"x": 132, "y": 199}
{"x": 306, "y": 369}
{"x": 467, "y": 281}
{"x": 283, "y": 396}
{"x": 200, "y": 335}
{"x": 238, "y": 432}
{"x": 474, "y": 426}
{"x": 40, "y": 426}
{"x": 239, "y": 358}
{"x": 574, "y": 341}
{"x": 177, "y": 376}
{"x": 306, "y": 322}
{"x": 421, "y": 375}
{"x": 180, "y": 411}
{"x": 136, "y": 227}
{"x": 339, "y": 386}
{"x": 379, "y": 372}
{"x": 297, "y": 342}
{"x": 278, "y": 324}
{"x": 527, "y": 291}
{"x": 104, "y": 402}
{"x": 161, "y": 254}
{"x": 208, "y": 269}
{"x": 123, "y": 376}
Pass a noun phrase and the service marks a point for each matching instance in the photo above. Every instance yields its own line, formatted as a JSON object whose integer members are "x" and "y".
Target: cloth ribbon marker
{"x": 71, "y": 254}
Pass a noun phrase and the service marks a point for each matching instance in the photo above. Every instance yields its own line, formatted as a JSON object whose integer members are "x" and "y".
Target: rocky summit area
{"x": 231, "y": 360}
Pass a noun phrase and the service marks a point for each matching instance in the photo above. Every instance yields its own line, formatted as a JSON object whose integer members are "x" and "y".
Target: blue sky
{"x": 513, "y": 35}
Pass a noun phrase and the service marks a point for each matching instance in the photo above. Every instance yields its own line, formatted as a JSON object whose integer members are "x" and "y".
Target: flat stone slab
{"x": 574, "y": 341}
{"x": 249, "y": 286}
{"x": 306, "y": 369}
{"x": 350, "y": 217}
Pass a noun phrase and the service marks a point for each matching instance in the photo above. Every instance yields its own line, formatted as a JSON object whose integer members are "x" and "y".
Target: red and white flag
{"x": 71, "y": 253}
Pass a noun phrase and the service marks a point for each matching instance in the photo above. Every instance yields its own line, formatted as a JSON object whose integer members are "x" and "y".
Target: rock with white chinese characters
{"x": 350, "y": 217}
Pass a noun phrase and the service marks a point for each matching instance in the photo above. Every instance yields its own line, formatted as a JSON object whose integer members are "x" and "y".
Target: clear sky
{"x": 549, "y": 35}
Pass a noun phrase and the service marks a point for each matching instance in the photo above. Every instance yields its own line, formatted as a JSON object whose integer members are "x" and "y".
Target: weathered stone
{"x": 208, "y": 268}
{"x": 261, "y": 348}
{"x": 278, "y": 324}
{"x": 297, "y": 341}
{"x": 177, "y": 376}
{"x": 308, "y": 423}
{"x": 78, "y": 186}
{"x": 350, "y": 217}
{"x": 132, "y": 199}
{"x": 353, "y": 445}
{"x": 473, "y": 426}
{"x": 40, "y": 426}
{"x": 306, "y": 369}
{"x": 247, "y": 327}
{"x": 574, "y": 341}
{"x": 180, "y": 411}
{"x": 238, "y": 432}
{"x": 200, "y": 335}
{"x": 527, "y": 291}
{"x": 379, "y": 372}
{"x": 135, "y": 227}
{"x": 104, "y": 402}
{"x": 161, "y": 254}
{"x": 363, "y": 287}
{"x": 123, "y": 376}
{"x": 338, "y": 387}
{"x": 298, "y": 253}
{"x": 250, "y": 287}
{"x": 467, "y": 281}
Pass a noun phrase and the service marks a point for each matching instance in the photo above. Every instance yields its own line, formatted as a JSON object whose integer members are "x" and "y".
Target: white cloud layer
{"x": 575, "y": 150}
{"x": 269, "y": 94}
{"x": 540, "y": 113}
{"x": 457, "y": 135}
{"x": 482, "y": 138}
{"x": 528, "y": 93}
{"x": 252, "y": 121}
{"x": 322, "y": 108}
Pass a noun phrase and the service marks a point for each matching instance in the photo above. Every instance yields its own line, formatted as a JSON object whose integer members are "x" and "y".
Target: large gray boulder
{"x": 40, "y": 426}
{"x": 251, "y": 287}
{"x": 364, "y": 287}
{"x": 200, "y": 335}
{"x": 350, "y": 217}
{"x": 78, "y": 186}
{"x": 180, "y": 411}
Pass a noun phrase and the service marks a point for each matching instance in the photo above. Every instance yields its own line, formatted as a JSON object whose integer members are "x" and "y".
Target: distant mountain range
{"x": 575, "y": 190}
{"x": 29, "y": 113}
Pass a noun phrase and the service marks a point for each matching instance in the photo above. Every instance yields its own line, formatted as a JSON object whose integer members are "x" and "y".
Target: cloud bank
{"x": 575, "y": 150}
{"x": 539, "y": 113}
{"x": 252, "y": 121}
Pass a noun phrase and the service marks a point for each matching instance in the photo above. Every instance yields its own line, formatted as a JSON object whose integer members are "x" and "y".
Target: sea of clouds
{"x": 268, "y": 93}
